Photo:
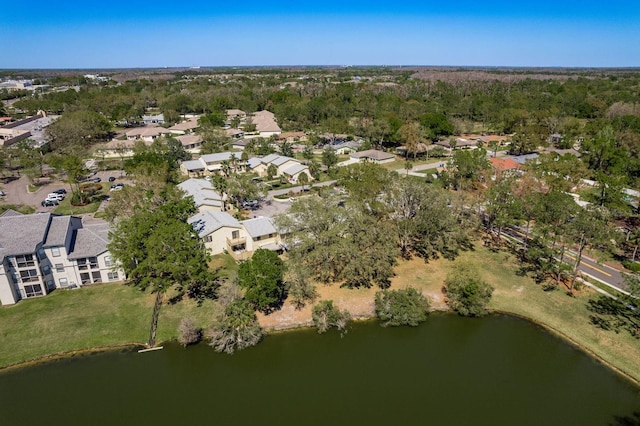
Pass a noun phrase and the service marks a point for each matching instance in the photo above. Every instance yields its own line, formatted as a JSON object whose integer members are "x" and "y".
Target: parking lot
{"x": 17, "y": 191}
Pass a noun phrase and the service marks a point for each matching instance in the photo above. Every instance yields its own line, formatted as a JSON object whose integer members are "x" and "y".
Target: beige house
{"x": 370, "y": 156}
{"x": 209, "y": 164}
{"x": 221, "y": 233}
{"x": 185, "y": 127}
{"x": 265, "y": 122}
{"x": 190, "y": 143}
{"x": 42, "y": 252}
{"x": 284, "y": 165}
{"x": 147, "y": 134}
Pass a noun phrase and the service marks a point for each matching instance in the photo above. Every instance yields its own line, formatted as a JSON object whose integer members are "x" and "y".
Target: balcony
{"x": 239, "y": 243}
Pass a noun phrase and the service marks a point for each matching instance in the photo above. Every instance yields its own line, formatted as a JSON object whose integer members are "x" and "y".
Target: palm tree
{"x": 303, "y": 179}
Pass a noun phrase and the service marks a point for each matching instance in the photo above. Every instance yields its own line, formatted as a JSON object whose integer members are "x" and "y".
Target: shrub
{"x": 401, "y": 307}
{"x": 632, "y": 266}
{"x": 325, "y": 315}
{"x": 237, "y": 329}
{"x": 466, "y": 293}
{"x": 188, "y": 333}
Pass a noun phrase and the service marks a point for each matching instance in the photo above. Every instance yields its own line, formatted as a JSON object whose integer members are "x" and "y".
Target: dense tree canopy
{"x": 401, "y": 307}
{"x": 262, "y": 277}
{"x": 466, "y": 293}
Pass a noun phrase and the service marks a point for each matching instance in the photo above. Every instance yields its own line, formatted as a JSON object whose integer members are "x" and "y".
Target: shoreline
{"x": 309, "y": 324}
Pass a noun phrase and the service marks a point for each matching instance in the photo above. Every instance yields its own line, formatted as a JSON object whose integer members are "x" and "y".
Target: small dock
{"x": 157, "y": 348}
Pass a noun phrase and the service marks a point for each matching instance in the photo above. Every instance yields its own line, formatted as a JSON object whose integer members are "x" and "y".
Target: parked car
{"x": 253, "y": 204}
{"x": 55, "y": 196}
{"x": 60, "y": 191}
{"x": 112, "y": 178}
{"x": 97, "y": 180}
{"x": 49, "y": 203}
{"x": 2, "y": 194}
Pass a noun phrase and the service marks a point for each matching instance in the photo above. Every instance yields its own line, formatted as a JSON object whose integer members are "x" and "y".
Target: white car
{"x": 54, "y": 196}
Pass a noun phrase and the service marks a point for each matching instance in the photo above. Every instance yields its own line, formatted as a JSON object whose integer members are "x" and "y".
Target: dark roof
{"x": 90, "y": 241}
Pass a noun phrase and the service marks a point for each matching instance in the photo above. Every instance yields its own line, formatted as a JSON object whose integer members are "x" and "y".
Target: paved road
{"x": 588, "y": 266}
{"x": 294, "y": 189}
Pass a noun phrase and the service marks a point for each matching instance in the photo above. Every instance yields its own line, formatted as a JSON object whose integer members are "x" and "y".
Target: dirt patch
{"x": 360, "y": 302}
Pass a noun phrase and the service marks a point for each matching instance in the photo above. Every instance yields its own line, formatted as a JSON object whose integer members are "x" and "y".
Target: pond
{"x": 496, "y": 370}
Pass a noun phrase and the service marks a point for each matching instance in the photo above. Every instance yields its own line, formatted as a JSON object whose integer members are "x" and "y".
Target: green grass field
{"x": 115, "y": 314}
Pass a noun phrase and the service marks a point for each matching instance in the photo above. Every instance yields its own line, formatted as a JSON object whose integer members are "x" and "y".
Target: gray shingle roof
{"x": 259, "y": 226}
{"x": 297, "y": 168}
{"x": 59, "y": 229}
{"x": 374, "y": 154}
{"x": 90, "y": 241}
{"x": 22, "y": 234}
{"x": 217, "y": 157}
{"x": 10, "y": 212}
{"x": 202, "y": 192}
{"x": 209, "y": 221}
{"x": 193, "y": 165}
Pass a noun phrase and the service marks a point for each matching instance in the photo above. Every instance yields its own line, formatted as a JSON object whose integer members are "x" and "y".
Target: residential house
{"x": 345, "y": 147}
{"x": 190, "y": 143}
{"x": 287, "y": 166}
{"x": 265, "y": 122}
{"x": 369, "y": 156}
{"x": 459, "y": 143}
{"x": 239, "y": 144}
{"x": 153, "y": 119}
{"x": 41, "y": 252}
{"x": 185, "y": 127}
{"x": 204, "y": 195}
{"x": 234, "y": 133}
{"x": 236, "y": 113}
{"x": 208, "y": 164}
{"x": 221, "y": 233}
{"x": 503, "y": 167}
{"x": 292, "y": 137}
{"x": 147, "y": 134}
{"x": 117, "y": 148}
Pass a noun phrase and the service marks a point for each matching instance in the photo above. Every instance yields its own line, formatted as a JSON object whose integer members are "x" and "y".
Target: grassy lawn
{"x": 24, "y": 209}
{"x": 520, "y": 295}
{"x": 112, "y": 314}
{"x": 102, "y": 315}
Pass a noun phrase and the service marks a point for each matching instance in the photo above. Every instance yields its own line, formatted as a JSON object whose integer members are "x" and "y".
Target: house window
{"x": 93, "y": 262}
{"x": 33, "y": 290}
{"x": 82, "y": 264}
{"x": 25, "y": 260}
{"x": 29, "y": 275}
{"x": 108, "y": 261}
{"x": 55, "y": 251}
{"x": 258, "y": 238}
{"x": 46, "y": 269}
{"x": 64, "y": 282}
{"x": 50, "y": 285}
{"x": 208, "y": 239}
{"x": 85, "y": 278}
{"x": 112, "y": 276}
{"x": 235, "y": 235}
{"x": 59, "y": 267}
{"x": 96, "y": 277}
{"x": 41, "y": 253}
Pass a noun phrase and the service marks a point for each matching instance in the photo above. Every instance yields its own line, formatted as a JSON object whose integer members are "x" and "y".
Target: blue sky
{"x": 138, "y": 33}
